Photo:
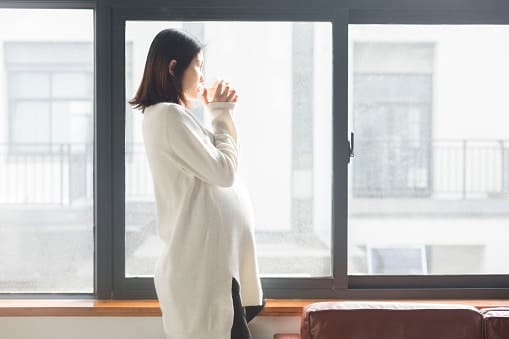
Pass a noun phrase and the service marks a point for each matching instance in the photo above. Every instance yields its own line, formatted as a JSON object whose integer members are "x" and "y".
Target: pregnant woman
{"x": 206, "y": 278}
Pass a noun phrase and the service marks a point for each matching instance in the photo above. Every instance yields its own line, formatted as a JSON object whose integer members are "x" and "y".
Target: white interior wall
{"x": 262, "y": 327}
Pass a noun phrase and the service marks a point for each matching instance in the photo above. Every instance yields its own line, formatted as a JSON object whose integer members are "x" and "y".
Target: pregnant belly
{"x": 234, "y": 206}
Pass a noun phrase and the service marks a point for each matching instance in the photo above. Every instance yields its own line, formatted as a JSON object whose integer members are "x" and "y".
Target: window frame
{"x": 109, "y": 143}
{"x": 340, "y": 285}
{"x": 430, "y": 286}
{"x": 273, "y": 287}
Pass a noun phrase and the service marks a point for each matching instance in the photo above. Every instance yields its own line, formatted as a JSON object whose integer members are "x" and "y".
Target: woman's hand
{"x": 221, "y": 91}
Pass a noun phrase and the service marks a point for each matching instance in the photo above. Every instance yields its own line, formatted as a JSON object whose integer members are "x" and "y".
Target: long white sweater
{"x": 204, "y": 217}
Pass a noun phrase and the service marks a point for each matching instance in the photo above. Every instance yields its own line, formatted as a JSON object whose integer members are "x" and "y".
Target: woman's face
{"x": 192, "y": 77}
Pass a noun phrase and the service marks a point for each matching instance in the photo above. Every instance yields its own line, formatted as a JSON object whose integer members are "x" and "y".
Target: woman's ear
{"x": 171, "y": 67}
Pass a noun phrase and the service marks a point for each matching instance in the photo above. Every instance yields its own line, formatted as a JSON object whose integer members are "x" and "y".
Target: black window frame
{"x": 431, "y": 286}
{"x": 273, "y": 287}
{"x": 109, "y": 142}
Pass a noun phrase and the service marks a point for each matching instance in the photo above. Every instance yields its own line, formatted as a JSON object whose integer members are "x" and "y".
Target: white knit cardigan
{"x": 204, "y": 218}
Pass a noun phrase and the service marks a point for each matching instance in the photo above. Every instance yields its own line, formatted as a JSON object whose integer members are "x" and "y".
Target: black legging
{"x": 242, "y": 315}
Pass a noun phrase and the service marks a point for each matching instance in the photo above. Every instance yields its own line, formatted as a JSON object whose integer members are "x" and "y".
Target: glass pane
{"x": 429, "y": 183}
{"x": 72, "y": 85}
{"x": 30, "y": 123}
{"x": 29, "y": 85}
{"x": 291, "y": 198}
{"x": 46, "y": 220}
{"x": 70, "y": 122}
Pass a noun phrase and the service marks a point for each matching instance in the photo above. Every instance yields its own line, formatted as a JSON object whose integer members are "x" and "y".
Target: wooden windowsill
{"x": 150, "y": 308}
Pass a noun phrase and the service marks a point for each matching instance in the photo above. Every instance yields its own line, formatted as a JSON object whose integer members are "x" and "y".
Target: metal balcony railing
{"x": 402, "y": 168}
{"x": 56, "y": 174}
{"x": 62, "y": 174}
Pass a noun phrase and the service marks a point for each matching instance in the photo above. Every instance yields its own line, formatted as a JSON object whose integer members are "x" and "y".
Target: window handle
{"x": 351, "y": 146}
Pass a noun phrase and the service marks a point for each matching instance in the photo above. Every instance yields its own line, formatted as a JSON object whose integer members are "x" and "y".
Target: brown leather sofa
{"x": 496, "y": 323}
{"x": 401, "y": 320}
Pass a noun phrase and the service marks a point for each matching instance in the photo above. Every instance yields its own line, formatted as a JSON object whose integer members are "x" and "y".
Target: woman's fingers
{"x": 231, "y": 95}
{"x": 219, "y": 89}
{"x": 224, "y": 92}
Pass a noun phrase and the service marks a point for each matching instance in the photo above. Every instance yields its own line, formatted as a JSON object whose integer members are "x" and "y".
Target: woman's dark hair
{"x": 157, "y": 84}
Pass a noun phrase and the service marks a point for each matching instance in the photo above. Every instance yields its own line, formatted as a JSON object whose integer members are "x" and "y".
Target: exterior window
{"x": 50, "y": 96}
{"x": 392, "y": 119}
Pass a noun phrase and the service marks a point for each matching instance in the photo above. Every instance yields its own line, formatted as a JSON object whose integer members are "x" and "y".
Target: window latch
{"x": 350, "y": 147}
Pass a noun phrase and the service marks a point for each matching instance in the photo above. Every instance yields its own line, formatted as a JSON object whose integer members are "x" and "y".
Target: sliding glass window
{"x": 429, "y": 183}
{"x": 421, "y": 208}
{"x": 283, "y": 74}
{"x": 46, "y": 148}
